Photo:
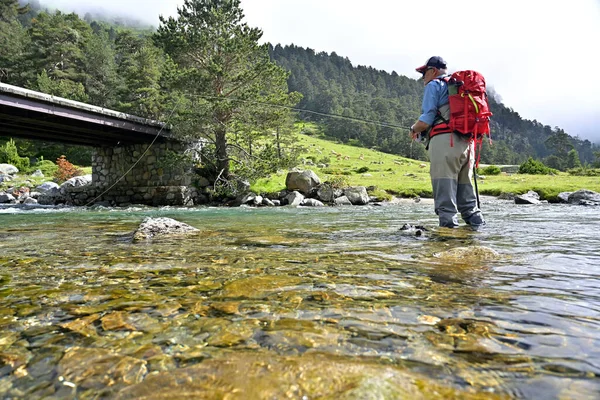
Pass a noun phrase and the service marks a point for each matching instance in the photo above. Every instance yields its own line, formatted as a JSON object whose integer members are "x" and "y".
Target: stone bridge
{"x": 130, "y": 159}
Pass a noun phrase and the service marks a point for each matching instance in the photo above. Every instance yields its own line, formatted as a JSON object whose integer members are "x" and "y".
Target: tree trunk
{"x": 222, "y": 158}
{"x": 278, "y": 144}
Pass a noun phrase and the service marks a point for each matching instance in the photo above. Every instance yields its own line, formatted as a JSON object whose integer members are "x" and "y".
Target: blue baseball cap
{"x": 433, "y": 62}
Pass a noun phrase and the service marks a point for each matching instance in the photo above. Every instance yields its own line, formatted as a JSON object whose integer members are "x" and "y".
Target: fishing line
{"x": 354, "y": 119}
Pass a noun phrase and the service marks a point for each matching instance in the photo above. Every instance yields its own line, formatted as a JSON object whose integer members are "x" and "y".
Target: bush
{"x": 362, "y": 170}
{"x": 534, "y": 167}
{"x": 47, "y": 167}
{"x": 338, "y": 182}
{"x": 489, "y": 170}
{"x": 10, "y": 155}
{"x": 584, "y": 171}
{"x": 66, "y": 170}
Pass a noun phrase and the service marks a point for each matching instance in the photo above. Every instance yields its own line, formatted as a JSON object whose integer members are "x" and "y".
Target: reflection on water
{"x": 333, "y": 303}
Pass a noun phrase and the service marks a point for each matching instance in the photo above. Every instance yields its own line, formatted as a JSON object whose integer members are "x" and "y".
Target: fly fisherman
{"x": 452, "y": 155}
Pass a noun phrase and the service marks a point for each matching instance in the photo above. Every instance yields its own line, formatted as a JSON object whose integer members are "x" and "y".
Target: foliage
{"x": 584, "y": 171}
{"x": 226, "y": 76}
{"x": 66, "y": 170}
{"x": 534, "y": 167}
{"x": 362, "y": 170}
{"x": 47, "y": 167}
{"x": 573, "y": 160}
{"x": 10, "y": 155}
{"x": 489, "y": 170}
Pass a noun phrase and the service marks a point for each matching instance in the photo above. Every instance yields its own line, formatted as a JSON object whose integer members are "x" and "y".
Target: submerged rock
{"x": 468, "y": 254}
{"x": 152, "y": 227}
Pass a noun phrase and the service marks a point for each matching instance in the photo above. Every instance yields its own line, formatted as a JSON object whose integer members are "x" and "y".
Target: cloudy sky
{"x": 540, "y": 56}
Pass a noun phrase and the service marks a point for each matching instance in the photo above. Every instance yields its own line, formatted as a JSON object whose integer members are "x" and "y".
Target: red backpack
{"x": 469, "y": 109}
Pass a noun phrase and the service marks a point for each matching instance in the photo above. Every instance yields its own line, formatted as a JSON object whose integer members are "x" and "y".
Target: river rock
{"x": 294, "y": 199}
{"x": 46, "y": 186}
{"x": 76, "y": 181}
{"x": 358, "y": 195}
{"x": 7, "y": 198}
{"x": 267, "y": 202}
{"x": 312, "y": 203}
{"x": 30, "y": 200}
{"x": 563, "y": 197}
{"x": 153, "y": 227}
{"x": 325, "y": 193}
{"x": 530, "y": 197}
{"x": 302, "y": 181}
{"x": 51, "y": 197}
{"x": 584, "y": 197}
{"x": 342, "y": 201}
{"x": 38, "y": 174}
{"x": 8, "y": 169}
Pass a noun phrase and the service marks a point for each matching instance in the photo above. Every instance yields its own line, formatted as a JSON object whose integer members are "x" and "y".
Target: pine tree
{"x": 225, "y": 73}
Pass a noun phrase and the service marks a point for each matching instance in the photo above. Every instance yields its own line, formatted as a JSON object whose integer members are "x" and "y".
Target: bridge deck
{"x": 34, "y": 115}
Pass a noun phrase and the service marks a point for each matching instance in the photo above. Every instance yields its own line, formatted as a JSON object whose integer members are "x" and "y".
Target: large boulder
{"x": 358, "y": 195}
{"x": 302, "y": 181}
{"x": 584, "y": 197}
{"x": 530, "y": 197}
{"x": 8, "y": 169}
{"x": 153, "y": 227}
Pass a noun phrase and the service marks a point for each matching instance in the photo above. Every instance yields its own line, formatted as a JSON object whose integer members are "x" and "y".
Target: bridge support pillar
{"x": 134, "y": 174}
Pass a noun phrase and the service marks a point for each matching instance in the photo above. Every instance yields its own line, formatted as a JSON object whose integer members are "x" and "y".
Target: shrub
{"x": 534, "y": 167}
{"x": 489, "y": 170}
{"x": 338, "y": 182}
{"x": 10, "y": 155}
{"x": 362, "y": 170}
{"x": 66, "y": 170}
{"x": 47, "y": 167}
{"x": 584, "y": 171}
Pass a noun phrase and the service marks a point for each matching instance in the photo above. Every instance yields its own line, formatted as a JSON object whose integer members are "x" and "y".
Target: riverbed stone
{"x": 153, "y": 227}
{"x": 468, "y": 254}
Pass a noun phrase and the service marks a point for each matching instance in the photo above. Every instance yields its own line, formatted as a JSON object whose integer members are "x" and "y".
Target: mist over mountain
{"x": 119, "y": 13}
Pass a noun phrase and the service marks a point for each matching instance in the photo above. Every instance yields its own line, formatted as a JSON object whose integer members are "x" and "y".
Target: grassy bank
{"x": 404, "y": 177}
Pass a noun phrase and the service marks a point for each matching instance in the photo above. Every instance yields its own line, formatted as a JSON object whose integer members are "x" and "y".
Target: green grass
{"x": 408, "y": 178}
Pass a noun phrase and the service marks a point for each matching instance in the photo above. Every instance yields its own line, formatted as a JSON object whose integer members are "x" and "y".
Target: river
{"x": 298, "y": 303}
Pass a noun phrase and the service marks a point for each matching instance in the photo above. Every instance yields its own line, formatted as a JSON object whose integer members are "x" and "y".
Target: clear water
{"x": 274, "y": 303}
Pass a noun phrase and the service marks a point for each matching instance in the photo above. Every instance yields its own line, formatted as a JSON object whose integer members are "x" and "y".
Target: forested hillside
{"x": 331, "y": 84}
{"x": 117, "y": 63}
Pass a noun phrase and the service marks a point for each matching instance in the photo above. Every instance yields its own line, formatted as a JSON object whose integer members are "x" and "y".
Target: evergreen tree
{"x": 573, "y": 160}
{"x": 224, "y": 71}
{"x": 13, "y": 41}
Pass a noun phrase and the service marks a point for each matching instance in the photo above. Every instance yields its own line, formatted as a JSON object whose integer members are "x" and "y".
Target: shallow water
{"x": 277, "y": 303}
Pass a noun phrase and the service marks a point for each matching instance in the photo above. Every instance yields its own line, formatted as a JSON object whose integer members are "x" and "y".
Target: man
{"x": 451, "y": 155}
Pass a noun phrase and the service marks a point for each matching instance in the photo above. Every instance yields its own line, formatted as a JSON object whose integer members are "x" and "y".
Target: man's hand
{"x": 414, "y": 135}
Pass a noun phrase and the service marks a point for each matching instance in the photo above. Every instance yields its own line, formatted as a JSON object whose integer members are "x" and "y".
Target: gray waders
{"x": 451, "y": 174}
